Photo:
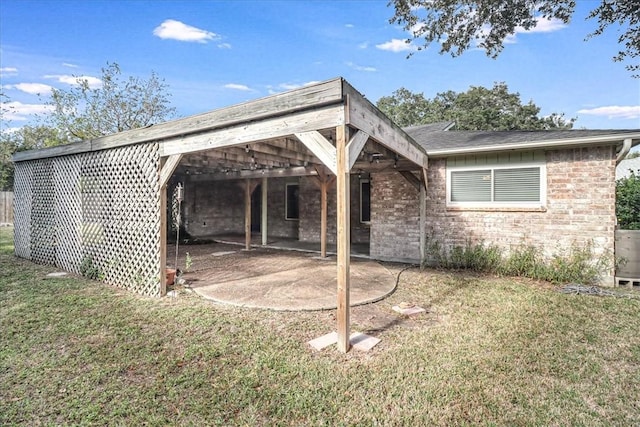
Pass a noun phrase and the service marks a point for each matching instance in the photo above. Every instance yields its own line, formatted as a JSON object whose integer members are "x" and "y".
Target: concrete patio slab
{"x": 280, "y": 280}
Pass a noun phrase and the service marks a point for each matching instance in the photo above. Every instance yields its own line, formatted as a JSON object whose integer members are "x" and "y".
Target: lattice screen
{"x": 94, "y": 213}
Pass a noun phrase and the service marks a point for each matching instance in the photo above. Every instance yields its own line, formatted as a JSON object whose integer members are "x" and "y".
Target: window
{"x": 365, "y": 201}
{"x": 292, "y": 197}
{"x": 508, "y": 185}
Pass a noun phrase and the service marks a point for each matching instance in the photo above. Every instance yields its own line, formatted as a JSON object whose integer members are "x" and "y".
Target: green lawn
{"x": 490, "y": 351}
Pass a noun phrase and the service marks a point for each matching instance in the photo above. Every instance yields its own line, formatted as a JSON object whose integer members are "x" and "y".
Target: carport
{"x": 99, "y": 206}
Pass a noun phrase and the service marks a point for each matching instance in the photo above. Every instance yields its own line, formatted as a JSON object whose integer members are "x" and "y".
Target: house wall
{"x": 310, "y": 211}
{"x": 395, "y": 218}
{"x": 214, "y": 208}
{"x": 580, "y": 209}
{"x": 217, "y": 207}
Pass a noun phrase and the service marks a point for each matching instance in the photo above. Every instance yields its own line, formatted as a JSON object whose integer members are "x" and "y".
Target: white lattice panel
{"x": 23, "y": 194}
{"x": 97, "y": 212}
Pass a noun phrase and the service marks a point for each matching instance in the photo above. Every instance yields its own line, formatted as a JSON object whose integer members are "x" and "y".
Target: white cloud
{"x": 236, "y": 86}
{"x": 18, "y": 111}
{"x": 397, "y": 45}
{"x": 31, "y": 88}
{"x": 224, "y": 46}
{"x": 8, "y": 71}
{"x": 416, "y": 29}
{"x": 360, "y": 67}
{"x": 94, "y": 82}
{"x": 289, "y": 86}
{"x": 176, "y": 30}
{"x": 349, "y": 25}
{"x": 614, "y": 111}
{"x": 67, "y": 64}
{"x": 363, "y": 45}
{"x": 544, "y": 25}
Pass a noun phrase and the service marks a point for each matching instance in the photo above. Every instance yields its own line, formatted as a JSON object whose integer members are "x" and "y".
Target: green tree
{"x": 83, "y": 112}
{"x": 460, "y": 24}
{"x": 628, "y": 202}
{"x": 478, "y": 108}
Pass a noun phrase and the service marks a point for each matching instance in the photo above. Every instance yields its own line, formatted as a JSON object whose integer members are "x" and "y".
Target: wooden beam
{"x": 319, "y": 146}
{"x": 258, "y": 157}
{"x": 294, "y": 156}
{"x": 168, "y": 168}
{"x": 412, "y": 179}
{"x": 363, "y": 115}
{"x": 282, "y": 104}
{"x": 260, "y": 173}
{"x": 274, "y": 127}
{"x": 355, "y": 147}
{"x": 343, "y": 237}
{"x": 425, "y": 179}
{"x": 264, "y": 207}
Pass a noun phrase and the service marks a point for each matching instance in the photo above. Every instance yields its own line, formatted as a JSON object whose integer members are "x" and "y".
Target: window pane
{"x": 365, "y": 201}
{"x": 292, "y": 210}
{"x": 517, "y": 185}
{"x": 471, "y": 186}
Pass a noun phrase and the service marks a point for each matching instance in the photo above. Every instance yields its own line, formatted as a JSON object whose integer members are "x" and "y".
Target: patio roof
{"x": 294, "y": 129}
{"x": 326, "y": 129}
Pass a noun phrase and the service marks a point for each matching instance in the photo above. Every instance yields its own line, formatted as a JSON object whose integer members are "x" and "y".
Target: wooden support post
{"x": 163, "y": 240}
{"x": 344, "y": 244}
{"x": 324, "y": 184}
{"x": 167, "y": 167}
{"x": 247, "y": 214}
{"x": 423, "y": 216}
{"x": 423, "y": 224}
{"x": 263, "y": 218}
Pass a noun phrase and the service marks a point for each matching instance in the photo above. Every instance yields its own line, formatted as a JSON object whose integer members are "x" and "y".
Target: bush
{"x": 628, "y": 202}
{"x": 579, "y": 264}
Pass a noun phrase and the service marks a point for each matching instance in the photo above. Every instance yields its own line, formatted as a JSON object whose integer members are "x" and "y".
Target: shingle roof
{"x": 434, "y": 139}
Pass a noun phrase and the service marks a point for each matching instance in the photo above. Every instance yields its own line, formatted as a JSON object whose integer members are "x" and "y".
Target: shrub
{"x": 579, "y": 264}
{"x": 628, "y": 202}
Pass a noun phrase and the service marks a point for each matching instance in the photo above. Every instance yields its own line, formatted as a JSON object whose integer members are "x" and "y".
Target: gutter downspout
{"x": 626, "y": 146}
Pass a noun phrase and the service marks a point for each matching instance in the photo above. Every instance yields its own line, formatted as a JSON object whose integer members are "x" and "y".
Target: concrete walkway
{"x": 278, "y": 280}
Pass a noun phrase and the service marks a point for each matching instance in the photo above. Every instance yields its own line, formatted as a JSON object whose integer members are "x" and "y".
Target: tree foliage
{"x": 478, "y": 108}
{"x": 628, "y": 202}
{"x": 461, "y": 24}
{"x": 83, "y": 112}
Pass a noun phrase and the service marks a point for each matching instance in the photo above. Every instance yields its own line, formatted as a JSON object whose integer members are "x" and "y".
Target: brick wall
{"x": 395, "y": 215}
{"x": 277, "y": 225}
{"x": 214, "y": 208}
{"x": 310, "y": 212}
{"x": 580, "y": 207}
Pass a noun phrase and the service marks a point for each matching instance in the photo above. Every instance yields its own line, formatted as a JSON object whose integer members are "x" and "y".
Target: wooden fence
{"x": 6, "y": 207}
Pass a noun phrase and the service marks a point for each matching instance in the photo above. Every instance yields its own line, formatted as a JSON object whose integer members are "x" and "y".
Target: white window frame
{"x": 362, "y": 181}
{"x": 500, "y": 166}
{"x": 286, "y": 201}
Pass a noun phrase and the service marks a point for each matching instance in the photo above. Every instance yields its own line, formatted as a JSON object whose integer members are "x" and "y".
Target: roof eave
{"x": 611, "y": 139}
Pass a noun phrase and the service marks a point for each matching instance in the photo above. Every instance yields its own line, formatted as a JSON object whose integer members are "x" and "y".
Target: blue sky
{"x": 217, "y": 53}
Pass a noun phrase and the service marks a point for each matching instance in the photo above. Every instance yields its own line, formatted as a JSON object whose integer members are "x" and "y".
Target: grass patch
{"x": 490, "y": 351}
